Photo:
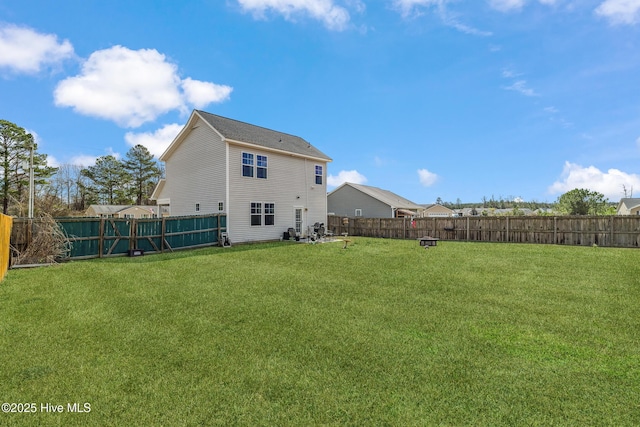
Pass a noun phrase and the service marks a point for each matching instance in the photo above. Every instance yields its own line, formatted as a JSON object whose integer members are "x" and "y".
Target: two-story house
{"x": 264, "y": 180}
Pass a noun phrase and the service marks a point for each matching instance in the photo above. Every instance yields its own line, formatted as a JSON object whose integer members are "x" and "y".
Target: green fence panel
{"x": 149, "y": 235}
{"x": 96, "y": 237}
{"x": 184, "y": 232}
{"x": 117, "y": 233}
{"x": 83, "y": 235}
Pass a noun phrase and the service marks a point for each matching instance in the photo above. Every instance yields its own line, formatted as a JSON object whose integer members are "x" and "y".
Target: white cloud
{"x": 507, "y": 5}
{"x": 620, "y": 11}
{"x": 521, "y": 87}
{"x": 156, "y": 142}
{"x": 609, "y": 183}
{"x": 83, "y": 160}
{"x": 379, "y": 161}
{"x": 200, "y": 94}
{"x": 132, "y": 87}
{"x": 26, "y": 51}
{"x": 334, "y": 17}
{"x": 412, "y": 7}
{"x": 352, "y": 176}
{"x": 514, "y": 5}
{"x": 427, "y": 179}
{"x": 36, "y": 137}
{"x": 508, "y": 73}
{"x": 110, "y": 152}
{"x": 452, "y": 21}
{"x": 52, "y": 162}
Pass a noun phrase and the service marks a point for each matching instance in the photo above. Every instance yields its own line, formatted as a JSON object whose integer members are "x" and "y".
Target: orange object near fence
{"x": 6, "y": 222}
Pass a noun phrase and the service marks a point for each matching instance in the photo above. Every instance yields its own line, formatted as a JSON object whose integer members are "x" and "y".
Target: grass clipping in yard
{"x": 382, "y": 333}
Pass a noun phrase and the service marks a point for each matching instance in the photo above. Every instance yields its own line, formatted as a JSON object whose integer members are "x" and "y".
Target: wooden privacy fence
{"x": 6, "y": 223}
{"x": 105, "y": 237}
{"x": 613, "y": 230}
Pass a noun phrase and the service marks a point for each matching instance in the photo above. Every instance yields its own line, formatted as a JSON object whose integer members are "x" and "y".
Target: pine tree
{"x": 144, "y": 172}
{"x": 110, "y": 183}
{"x": 15, "y": 152}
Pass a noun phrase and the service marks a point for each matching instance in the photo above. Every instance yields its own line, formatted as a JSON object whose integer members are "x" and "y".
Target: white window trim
{"x": 254, "y": 167}
{"x": 263, "y": 214}
{"x": 258, "y": 167}
{"x": 316, "y": 175}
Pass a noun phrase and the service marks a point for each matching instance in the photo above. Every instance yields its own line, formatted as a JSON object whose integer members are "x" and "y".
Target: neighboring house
{"x": 629, "y": 206}
{"x": 359, "y": 200}
{"x": 265, "y": 181}
{"x": 122, "y": 211}
{"x": 436, "y": 210}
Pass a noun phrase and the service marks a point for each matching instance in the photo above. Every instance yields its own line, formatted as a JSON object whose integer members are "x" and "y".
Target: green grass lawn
{"x": 381, "y": 333}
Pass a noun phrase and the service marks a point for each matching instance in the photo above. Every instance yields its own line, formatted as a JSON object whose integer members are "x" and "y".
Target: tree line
{"x": 578, "y": 201}
{"x": 69, "y": 188}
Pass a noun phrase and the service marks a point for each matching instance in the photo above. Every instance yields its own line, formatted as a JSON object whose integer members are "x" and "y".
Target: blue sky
{"x": 456, "y": 99}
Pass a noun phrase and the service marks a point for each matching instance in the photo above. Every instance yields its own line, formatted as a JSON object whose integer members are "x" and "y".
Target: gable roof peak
{"x": 388, "y": 197}
{"x": 238, "y": 131}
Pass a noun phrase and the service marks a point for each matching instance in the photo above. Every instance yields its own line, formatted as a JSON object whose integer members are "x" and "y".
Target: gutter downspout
{"x": 305, "y": 212}
{"x": 226, "y": 190}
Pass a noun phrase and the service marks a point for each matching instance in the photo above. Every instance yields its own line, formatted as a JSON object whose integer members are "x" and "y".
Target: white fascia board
{"x": 178, "y": 139}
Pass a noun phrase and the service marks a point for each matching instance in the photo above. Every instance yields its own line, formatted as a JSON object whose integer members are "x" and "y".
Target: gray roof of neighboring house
{"x": 430, "y": 205}
{"x": 112, "y": 209}
{"x": 385, "y": 196}
{"x": 244, "y": 132}
{"x": 629, "y": 202}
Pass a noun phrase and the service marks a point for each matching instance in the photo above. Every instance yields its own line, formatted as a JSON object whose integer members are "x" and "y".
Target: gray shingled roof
{"x": 386, "y": 196}
{"x": 244, "y": 132}
{"x": 629, "y": 202}
{"x": 112, "y": 209}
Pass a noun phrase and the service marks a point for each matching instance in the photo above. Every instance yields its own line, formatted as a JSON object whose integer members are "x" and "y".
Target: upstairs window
{"x": 251, "y": 161}
{"x": 247, "y": 164}
{"x": 318, "y": 175}
{"x": 262, "y": 167}
{"x": 220, "y": 206}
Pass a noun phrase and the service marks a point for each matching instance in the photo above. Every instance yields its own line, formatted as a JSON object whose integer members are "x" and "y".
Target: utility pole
{"x": 31, "y": 183}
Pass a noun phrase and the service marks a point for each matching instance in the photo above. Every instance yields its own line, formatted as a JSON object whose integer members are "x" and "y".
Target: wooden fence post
{"x": 404, "y": 227}
{"x": 612, "y": 233}
{"x": 101, "y": 238}
{"x": 163, "y": 229}
{"x": 468, "y": 231}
